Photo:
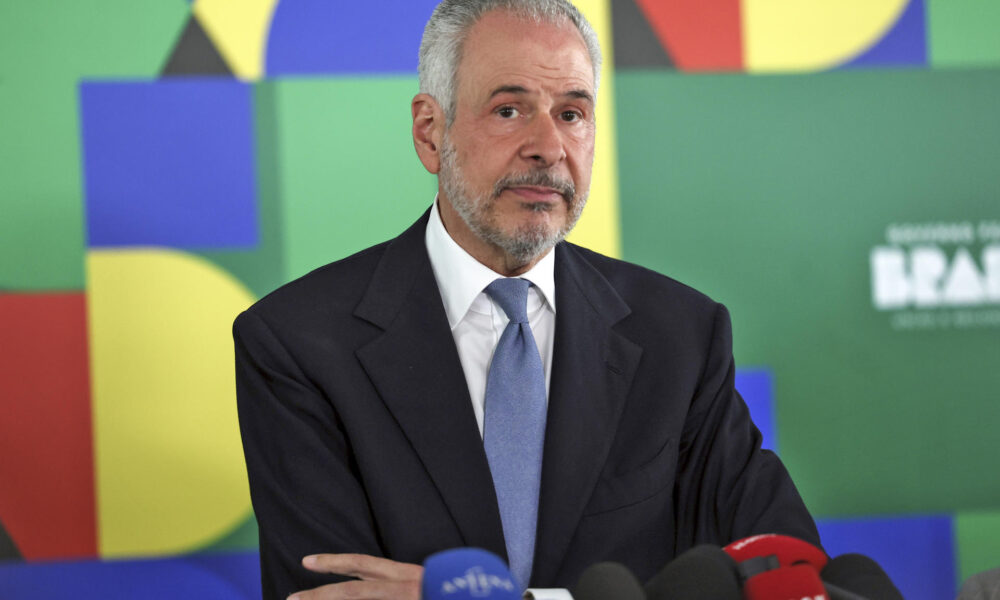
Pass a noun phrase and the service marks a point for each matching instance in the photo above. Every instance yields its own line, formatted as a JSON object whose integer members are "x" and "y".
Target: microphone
{"x": 779, "y": 567}
{"x": 754, "y": 554}
{"x": 466, "y": 573}
{"x": 796, "y": 582}
{"x": 856, "y": 575}
{"x": 608, "y": 580}
{"x": 702, "y": 573}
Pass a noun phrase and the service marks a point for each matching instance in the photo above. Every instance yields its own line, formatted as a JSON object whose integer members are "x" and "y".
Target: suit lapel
{"x": 592, "y": 370}
{"x": 415, "y": 367}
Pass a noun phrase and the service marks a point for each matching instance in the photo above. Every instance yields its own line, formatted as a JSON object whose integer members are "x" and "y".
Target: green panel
{"x": 46, "y": 47}
{"x": 349, "y": 176}
{"x": 964, "y": 33}
{"x": 769, "y": 193}
{"x": 978, "y": 542}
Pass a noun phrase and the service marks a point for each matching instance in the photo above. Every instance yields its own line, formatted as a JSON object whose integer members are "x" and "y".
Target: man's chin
{"x": 542, "y": 219}
{"x": 528, "y": 243}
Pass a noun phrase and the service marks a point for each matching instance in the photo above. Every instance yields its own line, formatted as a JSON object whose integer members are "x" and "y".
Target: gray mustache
{"x": 564, "y": 187}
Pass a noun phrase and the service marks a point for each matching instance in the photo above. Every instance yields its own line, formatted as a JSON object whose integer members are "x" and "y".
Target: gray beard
{"x": 529, "y": 241}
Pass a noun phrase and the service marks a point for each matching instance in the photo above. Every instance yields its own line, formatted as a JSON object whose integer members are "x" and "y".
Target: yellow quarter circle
{"x": 170, "y": 471}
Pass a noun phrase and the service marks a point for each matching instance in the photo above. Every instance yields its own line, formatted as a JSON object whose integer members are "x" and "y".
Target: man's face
{"x": 516, "y": 161}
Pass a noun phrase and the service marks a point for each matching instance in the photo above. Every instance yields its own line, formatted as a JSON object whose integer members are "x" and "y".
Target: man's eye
{"x": 570, "y": 115}
{"x": 507, "y": 112}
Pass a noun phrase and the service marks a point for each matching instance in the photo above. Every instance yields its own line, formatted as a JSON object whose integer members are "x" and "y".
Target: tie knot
{"x": 511, "y": 293}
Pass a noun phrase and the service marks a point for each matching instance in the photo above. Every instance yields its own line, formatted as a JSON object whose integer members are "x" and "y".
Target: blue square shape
{"x": 169, "y": 163}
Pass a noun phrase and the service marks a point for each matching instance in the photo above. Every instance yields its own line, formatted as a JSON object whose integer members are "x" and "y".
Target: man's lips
{"x": 534, "y": 193}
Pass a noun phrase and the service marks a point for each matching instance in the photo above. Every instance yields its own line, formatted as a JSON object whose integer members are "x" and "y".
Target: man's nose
{"x": 544, "y": 145}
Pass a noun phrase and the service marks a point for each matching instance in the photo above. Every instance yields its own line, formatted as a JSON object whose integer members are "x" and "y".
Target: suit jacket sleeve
{"x": 293, "y": 441}
{"x": 727, "y": 487}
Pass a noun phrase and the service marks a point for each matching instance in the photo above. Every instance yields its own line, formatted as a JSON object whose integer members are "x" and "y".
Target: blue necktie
{"x": 514, "y": 425}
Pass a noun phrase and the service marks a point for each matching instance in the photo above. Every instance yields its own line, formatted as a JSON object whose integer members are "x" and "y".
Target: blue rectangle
{"x": 918, "y": 553}
{"x": 169, "y": 163}
{"x": 230, "y": 576}
{"x": 757, "y": 388}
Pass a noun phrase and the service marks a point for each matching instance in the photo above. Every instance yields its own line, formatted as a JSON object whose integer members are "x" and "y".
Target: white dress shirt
{"x": 476, "y": 320}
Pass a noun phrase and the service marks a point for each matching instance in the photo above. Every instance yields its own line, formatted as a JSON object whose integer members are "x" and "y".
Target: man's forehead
{"x": 504, "y": 51}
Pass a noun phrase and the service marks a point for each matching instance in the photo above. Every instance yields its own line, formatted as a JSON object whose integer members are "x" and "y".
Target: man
{"x": 981, "y": 586}
{"x": 398, "y": 402}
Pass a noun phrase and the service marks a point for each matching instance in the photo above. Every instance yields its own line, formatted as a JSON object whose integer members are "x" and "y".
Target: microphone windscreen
{"x": 465, "y": 573}
{"x": 788, "y": 550}
{"x": 608, "y": 580}
{"x": 702, "y": 573}
{"x": 861, "y": 575}
{"x": 786, "y": 583}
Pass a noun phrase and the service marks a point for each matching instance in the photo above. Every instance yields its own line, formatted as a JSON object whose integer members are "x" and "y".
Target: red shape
{"x": 47, "y": 501}
{"x": 699, "y": 35}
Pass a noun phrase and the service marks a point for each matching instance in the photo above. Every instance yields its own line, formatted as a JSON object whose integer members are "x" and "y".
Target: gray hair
{"x": 445, "y": 33}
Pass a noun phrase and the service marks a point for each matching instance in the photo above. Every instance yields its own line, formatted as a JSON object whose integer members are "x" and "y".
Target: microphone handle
{"x": 547, "y": 594}
{"x": 839, "y": 593}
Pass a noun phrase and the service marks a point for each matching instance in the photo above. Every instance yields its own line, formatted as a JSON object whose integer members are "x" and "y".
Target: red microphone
{"x": 798, "y": 582}
{"x": 786, "y": 550}
{"x": 779, "y": 567}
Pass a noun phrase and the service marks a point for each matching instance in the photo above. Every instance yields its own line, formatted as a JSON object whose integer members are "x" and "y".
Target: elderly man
{"x": 477, "y": 381}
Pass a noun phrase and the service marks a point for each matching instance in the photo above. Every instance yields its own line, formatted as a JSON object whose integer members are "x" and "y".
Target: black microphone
{"x": 702, "y": 573}
{"x": 608, "y": 580}
{"x": 858, "y": 575}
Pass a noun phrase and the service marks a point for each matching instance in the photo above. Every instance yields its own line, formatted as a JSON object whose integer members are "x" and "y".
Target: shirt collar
{"x": 461, "y": 278}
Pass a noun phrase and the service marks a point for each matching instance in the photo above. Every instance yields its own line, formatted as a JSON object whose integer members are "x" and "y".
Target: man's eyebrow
{"x": 580, "y": 95}
{"x": 508, "y": 89}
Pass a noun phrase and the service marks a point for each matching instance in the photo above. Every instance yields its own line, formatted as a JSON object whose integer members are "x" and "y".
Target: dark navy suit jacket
{"x": 359, "y": 432}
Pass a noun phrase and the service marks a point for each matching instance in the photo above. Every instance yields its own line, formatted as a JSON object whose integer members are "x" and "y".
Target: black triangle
{"x": 195, "y": 54}
{"x": 8, "y": 550}
{"x": 635, "y": 43}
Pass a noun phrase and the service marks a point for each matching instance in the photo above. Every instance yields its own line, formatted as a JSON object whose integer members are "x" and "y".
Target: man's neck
{"x": 489, "y": 255}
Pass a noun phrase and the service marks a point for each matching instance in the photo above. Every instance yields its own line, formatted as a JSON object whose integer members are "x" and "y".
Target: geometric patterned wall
{"x": 825, "y": 169}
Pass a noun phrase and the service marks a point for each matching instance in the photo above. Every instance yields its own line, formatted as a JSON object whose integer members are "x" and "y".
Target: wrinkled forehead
{"x": 504, "y": 48}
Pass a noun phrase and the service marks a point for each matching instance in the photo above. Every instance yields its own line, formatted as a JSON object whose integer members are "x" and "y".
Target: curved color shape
{"x": 790, "y": 35}
{"x": 170, "y": 471}
{"x": 699, "y": 36}
{"x": 239, "y": 31}
{"x": 904, "y": 45}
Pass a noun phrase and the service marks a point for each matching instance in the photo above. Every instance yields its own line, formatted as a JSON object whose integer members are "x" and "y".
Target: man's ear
{"x": 428, "y": 130}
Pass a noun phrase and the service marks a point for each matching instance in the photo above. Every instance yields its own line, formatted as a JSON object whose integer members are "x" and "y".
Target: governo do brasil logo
{"x": 938, "y": 274}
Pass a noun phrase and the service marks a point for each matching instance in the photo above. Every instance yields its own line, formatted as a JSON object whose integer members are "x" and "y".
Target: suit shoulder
{"x": 641, "y": 287}
{"x": 334, "y": 288}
